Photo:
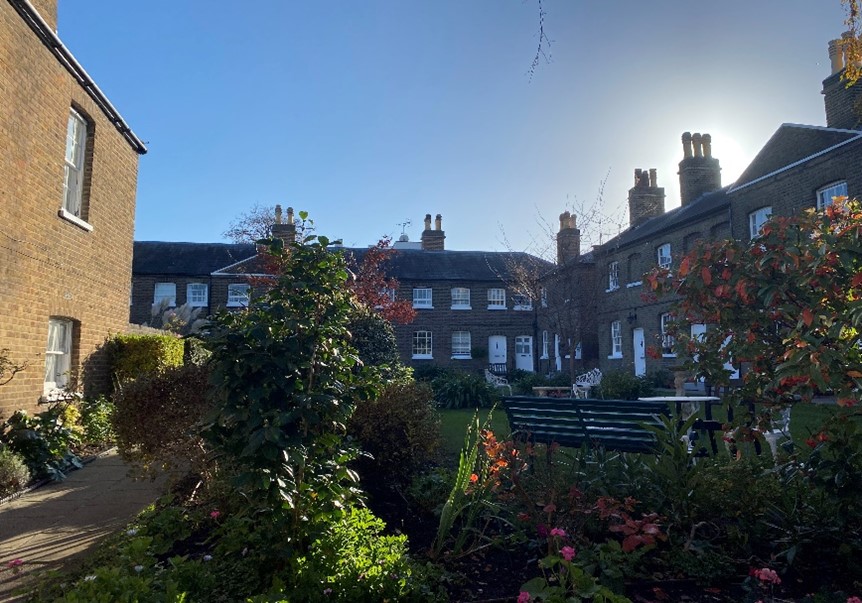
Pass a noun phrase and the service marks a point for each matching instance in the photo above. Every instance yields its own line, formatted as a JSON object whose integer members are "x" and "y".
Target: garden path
{"x": 49, "y": 526}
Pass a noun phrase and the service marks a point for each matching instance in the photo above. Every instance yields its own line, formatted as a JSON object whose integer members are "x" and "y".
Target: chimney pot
{"x": 653, "y": 178}
{"x": 637, "y": 176}
{"x": 427, "y": 221}
{"x": 290, "y": 215}
{"x": 836, "y": 55}
{"x": 278, "y": 214}
{"x": 438, "y": 222}
{"x": 686, "y": 145}
{"x": 697, "y": 144}
{"x": 706, "y": 139}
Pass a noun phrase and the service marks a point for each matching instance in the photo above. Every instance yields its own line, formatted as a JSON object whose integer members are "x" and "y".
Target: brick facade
{"x": 51, "y": 266}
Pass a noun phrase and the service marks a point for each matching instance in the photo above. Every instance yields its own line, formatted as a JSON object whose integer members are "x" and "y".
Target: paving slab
{"x": 61, "y": 521}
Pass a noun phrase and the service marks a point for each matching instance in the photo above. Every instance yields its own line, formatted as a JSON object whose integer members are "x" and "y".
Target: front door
{"x": 524, "y": 353}
{"x": 497, "y": 349}
{"x": 639, "y": 352}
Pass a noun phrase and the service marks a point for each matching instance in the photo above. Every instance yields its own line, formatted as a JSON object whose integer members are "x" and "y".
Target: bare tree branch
{"x": 543, "y": 50}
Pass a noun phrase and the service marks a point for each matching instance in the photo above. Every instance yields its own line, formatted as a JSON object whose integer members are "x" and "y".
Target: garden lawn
{"x": 453, "y": 425}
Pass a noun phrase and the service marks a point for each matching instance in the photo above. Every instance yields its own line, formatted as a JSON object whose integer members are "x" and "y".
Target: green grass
{"x": 453, "y": 424}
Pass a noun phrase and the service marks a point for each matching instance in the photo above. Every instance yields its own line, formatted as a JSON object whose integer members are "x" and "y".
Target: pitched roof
{"x": 705, "y": 205}
{"x": 192, "y": 259}
{"x": 790, "y": 145}
{"x": 451, "y": 265}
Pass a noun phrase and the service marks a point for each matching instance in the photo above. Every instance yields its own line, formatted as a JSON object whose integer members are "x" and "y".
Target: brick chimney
{"x": 432, "y": 240}
{"x": 646, "y": 198}
{"x": 568, "y": 239}
{"x": 843, "y": 105}
{"x": 47, "y": 9}
{"x": 286, "y": 231}
{"x": 699, "y": 171}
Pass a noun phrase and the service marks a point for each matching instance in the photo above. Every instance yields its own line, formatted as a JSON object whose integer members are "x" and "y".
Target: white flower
{"x": 208, "y": 557}
{"x": 132, "y": 532}
{"x": 139, "y": 568}
{"x": 89, "y": 578}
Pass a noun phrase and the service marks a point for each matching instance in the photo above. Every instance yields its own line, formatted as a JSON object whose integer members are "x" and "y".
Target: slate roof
{"x": 705, "y": 205}
{"x": 452, "y": 265}
{"x": 792, "y": 144}
{"x": 186, "y": 259}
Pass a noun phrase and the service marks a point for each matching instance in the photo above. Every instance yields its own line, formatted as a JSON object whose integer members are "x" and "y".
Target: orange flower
{"x": 474, "y": 478}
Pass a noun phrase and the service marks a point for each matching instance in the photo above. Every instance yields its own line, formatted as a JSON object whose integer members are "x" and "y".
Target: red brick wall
{"x": 48, "y": 265}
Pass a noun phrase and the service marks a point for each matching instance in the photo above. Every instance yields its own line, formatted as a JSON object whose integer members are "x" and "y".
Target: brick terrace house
{"x": 800, "y": 167}
{"x": 68, "y": 174}
{"x": 469, "y": 313}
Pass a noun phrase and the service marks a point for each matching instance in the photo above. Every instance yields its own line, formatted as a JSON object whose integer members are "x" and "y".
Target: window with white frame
{"x": 496, "y": 299}
{"x": 422, "y": 345}
{"x": 461, "y": 345}
{"x": 616, "y": 340}
{"x": 237, "y": 295}
{"x": 460, "y": 298}
{"x": 613, "y": 276}
{"x": 422, "y": 297}
{"x": 197, "y": 295}
{"x": 545, "y": 345}
{"x": 667, "y": 340}
{"x": 543, "y": 295}
{"x": 58, "y": 354}
{"x": 165, "y": 293}
{"x": 757, "y": 219}
{"x": 521, "y": 302}
{"x": 826, "y": 194}
{"x": 76, "y": 155}
{"x": 663, "y": 255}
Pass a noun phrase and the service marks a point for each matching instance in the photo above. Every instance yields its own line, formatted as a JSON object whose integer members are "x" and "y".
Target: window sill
{"x": 611, "y": 289}
{"x": 523, "y": 308}
{"x": 423, "y": 307}
{"x": 70, "y": 217}
{"x": 236, "y": 305}
{"x": 461, "y": 308}
{"x": 462, "y": 357}
{"x": 668, "y": 355}
{"x": 634, "y": 284}
{"x": 422, "y": 357}
{"x": 496, "y": 307}
{"x": 615, "y": 357}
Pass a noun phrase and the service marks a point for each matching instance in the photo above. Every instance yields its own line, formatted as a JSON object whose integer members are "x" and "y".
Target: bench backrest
{"x": 612, "y": 424}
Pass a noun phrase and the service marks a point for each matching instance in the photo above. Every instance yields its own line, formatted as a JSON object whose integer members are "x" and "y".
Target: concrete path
{"x": 62, "y": 520}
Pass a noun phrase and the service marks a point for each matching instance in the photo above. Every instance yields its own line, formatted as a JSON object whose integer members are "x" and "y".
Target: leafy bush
{"x": 132, "y": 355}
{"x": 14, "y": 474}
{"x": 429, "y": 372}
{"x": 45, "y": 440}
{"x": 429, "y": 491}
{"x": 400, "y": 429}
{"x": 96, "y": 416}
{"x": 353, "y": 562}
{"x": 157, "y": 416}
{"x": 462, "y": 390}
{"x": 620, "y": 385}
{"x": 523, "y": 382}
{"x": 373, "y": 337}
{"x": 195, "y": 351}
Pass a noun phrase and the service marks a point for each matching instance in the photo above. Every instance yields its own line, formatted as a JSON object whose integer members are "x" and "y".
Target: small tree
{"x": 251, "y": 226}
{"x": 787, "y": 306}
{"x": 8, "y": 369}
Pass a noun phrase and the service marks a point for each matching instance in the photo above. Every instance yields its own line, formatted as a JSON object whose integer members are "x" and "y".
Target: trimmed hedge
{"x": 133, "y": 355}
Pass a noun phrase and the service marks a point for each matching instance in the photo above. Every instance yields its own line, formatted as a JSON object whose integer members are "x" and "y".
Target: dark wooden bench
{"x": 611, "y": 424}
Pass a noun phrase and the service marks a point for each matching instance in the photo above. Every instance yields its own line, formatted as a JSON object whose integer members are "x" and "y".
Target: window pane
{"x": 58, "y": 354}
{"x": 76, "y": 142}
{"x": 496, "y": 298}
{"x": 825, "y": 195}
{"x": 461, "y": 297}
{"x": 614, "y": 275}
{"x": 237, "y": 295}
{"x": 664, "y": 259}
{"x": 461, "y": 343}
{"x": 196, "y": 295}
{"x": 166, "y": 292}
{"x": 422, "y": 297}
{"x": 422, "y": 344}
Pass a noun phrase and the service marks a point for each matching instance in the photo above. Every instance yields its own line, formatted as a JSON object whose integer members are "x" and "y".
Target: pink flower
{"x": 767, "y": 575}
{"x": 568, "y": 553}
{"x": 558, "y": 532}
{"x": 524, "y": 597}
{"x": 15, "y": 563}
{"x": 214, "y": 514}
{"x": 854, "y": 600}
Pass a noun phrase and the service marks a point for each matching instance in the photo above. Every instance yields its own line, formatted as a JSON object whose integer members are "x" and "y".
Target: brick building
{"x": 800, "y": 167}
{"x": 68, "y": 174}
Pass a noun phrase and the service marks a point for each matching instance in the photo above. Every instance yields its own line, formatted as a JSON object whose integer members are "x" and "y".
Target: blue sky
{"x": 370, "y": 113}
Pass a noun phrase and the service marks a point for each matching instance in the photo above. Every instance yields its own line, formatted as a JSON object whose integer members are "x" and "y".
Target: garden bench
{"x": 496, "y": 381}
{"x": 611, "y": 424}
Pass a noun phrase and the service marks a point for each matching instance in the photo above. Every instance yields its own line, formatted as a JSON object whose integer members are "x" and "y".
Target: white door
{"x": 497, "y": 349}
{"x": 639, "y": 352}
{"x": 524, "y": 353}
{"x": 558, "y": 361}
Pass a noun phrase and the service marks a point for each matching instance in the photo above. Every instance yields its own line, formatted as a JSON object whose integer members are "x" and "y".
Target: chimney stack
{"x": 286, "y": 231}
{"x": 699, "y": 171}
{"x": 646, "y": 198}
{"x": 843, "y": 105}
{"x": 568, "y": 239}
{"x": 433, "y": 240}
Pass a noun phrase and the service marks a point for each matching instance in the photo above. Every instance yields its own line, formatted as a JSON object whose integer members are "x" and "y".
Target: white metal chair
{"x": 779, "y": 429}
{"x": 585, "y": 383}
{"x": 497, "y": 381}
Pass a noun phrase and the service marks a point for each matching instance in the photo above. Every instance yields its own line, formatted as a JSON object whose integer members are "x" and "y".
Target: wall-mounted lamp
{"x": 632, "y": 317}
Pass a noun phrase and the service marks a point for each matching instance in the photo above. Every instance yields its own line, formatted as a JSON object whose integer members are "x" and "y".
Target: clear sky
{"x": 369, "y": 113}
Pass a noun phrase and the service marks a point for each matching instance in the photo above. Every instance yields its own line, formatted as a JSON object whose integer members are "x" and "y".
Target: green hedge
{"x": 143, "y": 354}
